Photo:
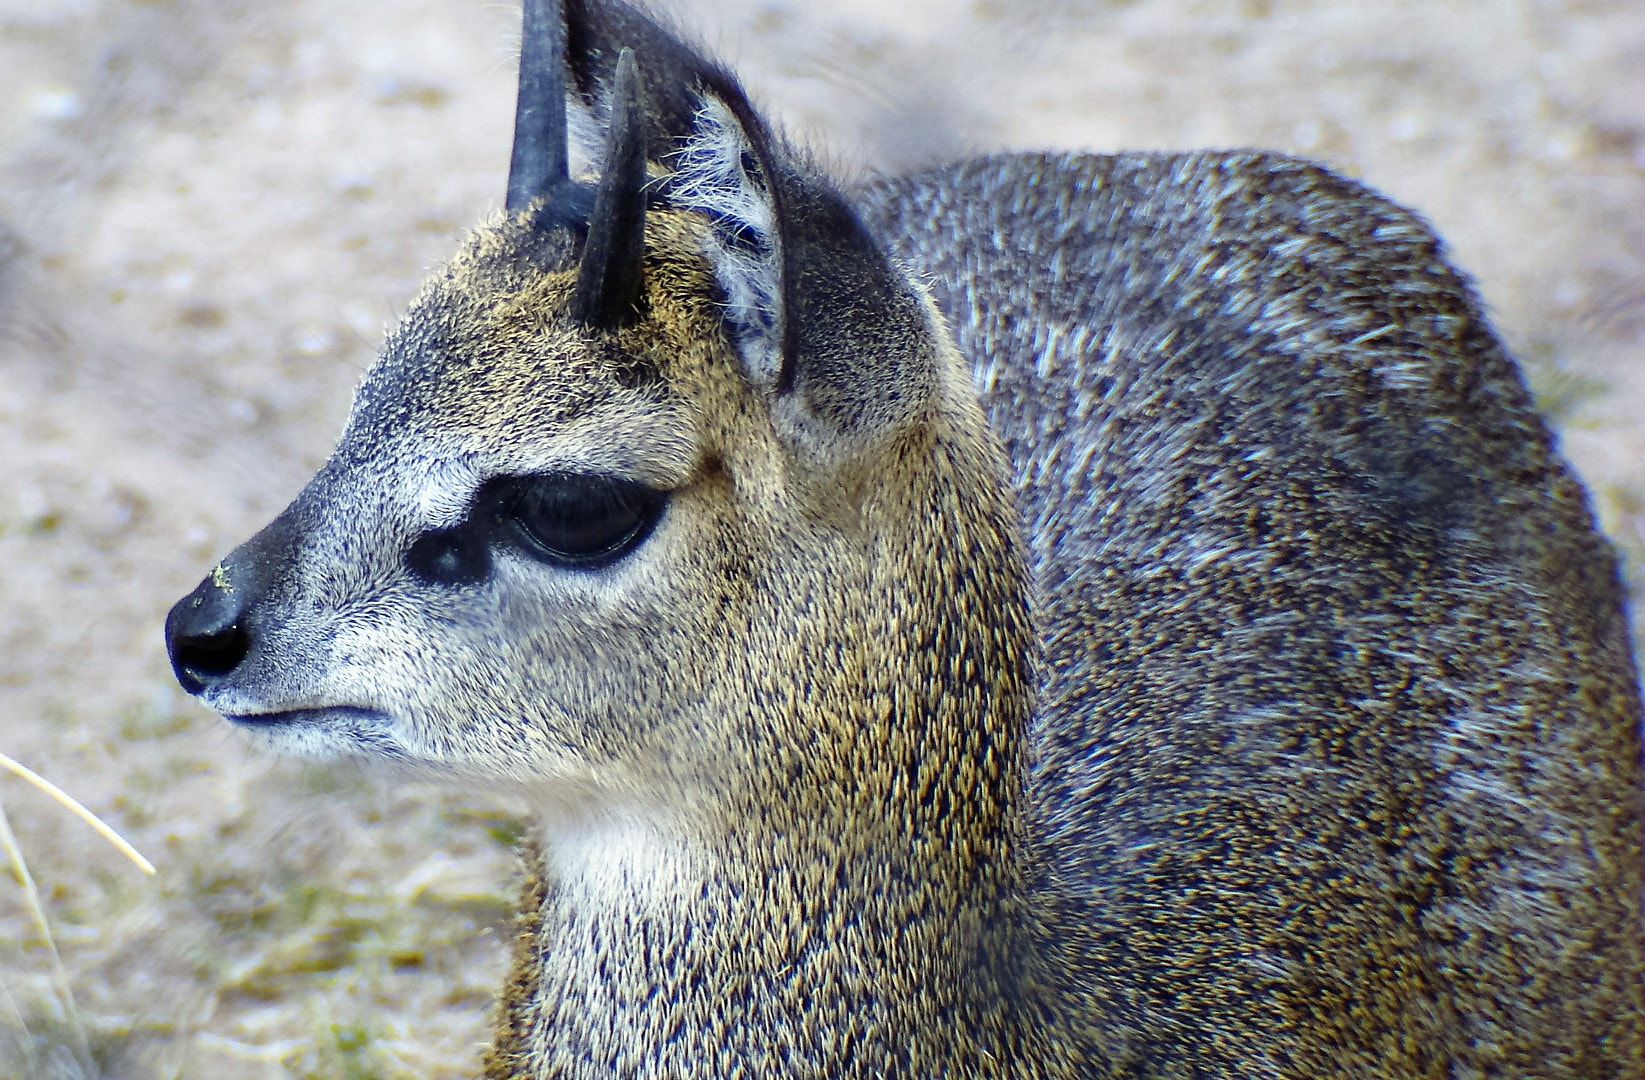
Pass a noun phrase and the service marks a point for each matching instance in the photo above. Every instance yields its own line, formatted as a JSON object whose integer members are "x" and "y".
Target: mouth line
{"x": 333, "y": 729}
{"x": 329, "y": 714}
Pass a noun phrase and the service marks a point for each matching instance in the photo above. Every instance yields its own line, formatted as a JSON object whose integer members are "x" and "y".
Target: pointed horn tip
{"x": 611, "y": 280}
{"x": 540, "y": 158}
{"x": 627, "y": 120}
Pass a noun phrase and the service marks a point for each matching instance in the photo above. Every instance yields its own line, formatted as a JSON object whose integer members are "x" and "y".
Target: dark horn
{"x": 609, "y": 280}
{"x": 540, "y": 161}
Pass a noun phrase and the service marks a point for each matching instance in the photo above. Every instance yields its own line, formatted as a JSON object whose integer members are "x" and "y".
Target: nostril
{"x": 201, "y": 658}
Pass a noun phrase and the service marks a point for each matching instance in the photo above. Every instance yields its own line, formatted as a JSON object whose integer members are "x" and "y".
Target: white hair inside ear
{"x": 716, "y": 173}
{"x": 585, "y": 137}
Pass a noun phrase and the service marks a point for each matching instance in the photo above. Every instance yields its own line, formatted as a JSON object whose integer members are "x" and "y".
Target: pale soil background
{"x": 209, "y": 210}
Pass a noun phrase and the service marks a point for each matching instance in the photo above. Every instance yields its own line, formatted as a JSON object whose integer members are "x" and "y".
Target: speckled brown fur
{"x": 1110, "y": 616}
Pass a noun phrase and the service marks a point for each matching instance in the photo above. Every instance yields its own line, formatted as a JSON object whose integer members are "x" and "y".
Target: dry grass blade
{"x": 79, "y": 811}
{"x": 31, "y": 895}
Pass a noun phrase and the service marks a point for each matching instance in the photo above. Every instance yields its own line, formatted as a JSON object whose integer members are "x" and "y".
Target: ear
{"x": 821, "y": 316}
{"x": 672, "y": 74}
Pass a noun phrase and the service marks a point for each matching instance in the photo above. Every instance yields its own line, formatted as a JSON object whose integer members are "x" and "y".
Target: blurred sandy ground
{"x": 209, "y": 210}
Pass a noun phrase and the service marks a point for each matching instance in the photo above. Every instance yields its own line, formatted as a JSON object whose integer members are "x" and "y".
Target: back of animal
{"x": 1336, "y": 754}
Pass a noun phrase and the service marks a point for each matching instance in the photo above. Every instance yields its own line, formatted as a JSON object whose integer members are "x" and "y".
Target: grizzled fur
{"x": 1336, "y": 748}
{"x": 1110, "y": 617}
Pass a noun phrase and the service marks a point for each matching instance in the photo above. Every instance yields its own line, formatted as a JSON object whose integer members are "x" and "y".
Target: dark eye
{"x": 584, "y": 521}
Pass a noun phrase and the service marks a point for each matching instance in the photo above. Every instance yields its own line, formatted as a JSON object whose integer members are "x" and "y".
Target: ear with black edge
{"x": 821, "y": 316}
{"x": 539, "y": 162}
{"x": 671, "y": 72}
{"x": 610, "y": 281}
{"x": 858, "y": 346}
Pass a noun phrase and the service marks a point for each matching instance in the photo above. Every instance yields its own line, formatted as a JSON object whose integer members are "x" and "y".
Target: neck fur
{"x": 861, "y": 905}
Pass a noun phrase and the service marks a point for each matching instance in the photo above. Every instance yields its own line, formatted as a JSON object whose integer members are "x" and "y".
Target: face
{"x": 608, "y": 508}
{"x": 532, "y": 549}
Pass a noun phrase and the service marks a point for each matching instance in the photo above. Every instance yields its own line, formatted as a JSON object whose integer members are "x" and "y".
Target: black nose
{"x": 206, "y": 633}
